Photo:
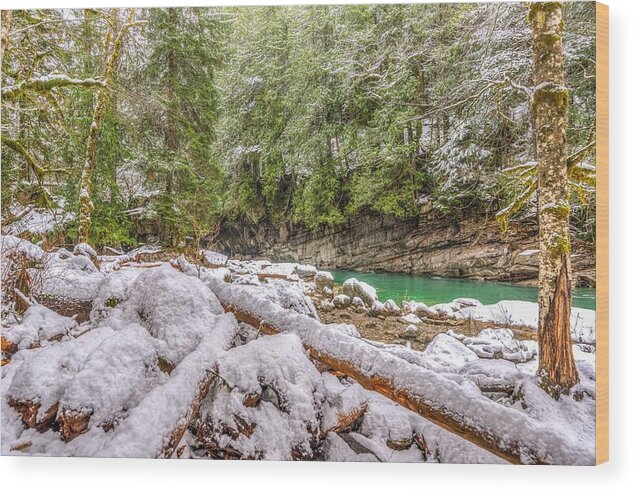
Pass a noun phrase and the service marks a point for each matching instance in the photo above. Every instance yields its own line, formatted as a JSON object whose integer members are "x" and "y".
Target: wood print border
{"x": 602, "y": 234}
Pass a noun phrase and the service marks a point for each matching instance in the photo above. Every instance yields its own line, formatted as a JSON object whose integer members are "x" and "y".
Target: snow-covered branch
{"x": 47, "y": 83}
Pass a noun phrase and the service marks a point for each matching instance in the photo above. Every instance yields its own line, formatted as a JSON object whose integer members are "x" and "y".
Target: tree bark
{"x": 111, "y": 59}
{"x": 5, "y": 29}
{"x": 557, "y": 369}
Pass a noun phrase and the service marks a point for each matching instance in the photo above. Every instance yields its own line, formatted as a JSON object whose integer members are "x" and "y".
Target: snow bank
{"x": 501, "y": 343}
{"x": 39, "y": 221}
{"x": 213, "y": 259}
{"x": 519, "y": 313}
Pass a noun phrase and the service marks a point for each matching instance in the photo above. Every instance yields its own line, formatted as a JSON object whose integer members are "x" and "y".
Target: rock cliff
{"x": 472, "y": 248}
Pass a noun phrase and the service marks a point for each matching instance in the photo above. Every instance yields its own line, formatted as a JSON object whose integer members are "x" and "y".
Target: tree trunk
{"x": 557, "y": 369}
{"x": 4, "y": 36}
{"x": 111, "y": 59}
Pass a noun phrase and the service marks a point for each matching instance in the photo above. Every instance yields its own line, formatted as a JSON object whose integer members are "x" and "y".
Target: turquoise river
{"x": 432, "y": 290}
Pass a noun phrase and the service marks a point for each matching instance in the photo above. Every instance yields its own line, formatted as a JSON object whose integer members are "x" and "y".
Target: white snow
{"x": 520, "y": 313}
{"x": 355, "y": 288}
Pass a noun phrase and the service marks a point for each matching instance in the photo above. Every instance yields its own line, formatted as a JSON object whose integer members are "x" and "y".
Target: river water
{"x": 432, "y": 290}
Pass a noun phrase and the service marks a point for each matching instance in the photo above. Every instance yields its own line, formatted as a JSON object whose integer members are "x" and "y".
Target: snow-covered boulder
{"x": 327, "y": 292}
{"x": 410, "y": 319}
{"x": 418, "y": 308}
{"x": 358, "y": 305}
{"x": 410, "y": 332}
{"x": 323, "y": 280}
{"x": 355, "y": 288}
{"x": 213, "y": 259}
{"x": 377, "y": 309}
{"x": 83, "y": 249}
{"x": 305, "y": 271}
{"x": 390, "y": 308}
{"x": 327, "y": 305}
{"x": 341, "y": 301}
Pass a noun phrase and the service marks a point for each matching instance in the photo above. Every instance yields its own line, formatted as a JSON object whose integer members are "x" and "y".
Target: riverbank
{"x": 433, "y": 290}
{"x": 471, "y": 248}
{"x": 212, "y": 357}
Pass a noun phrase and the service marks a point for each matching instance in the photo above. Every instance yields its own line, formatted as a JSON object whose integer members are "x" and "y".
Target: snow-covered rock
{"x": 358, "y": 305}
{"x": 410, "y": 319}
{"x": 410, "y": 332}
{"x": 378, "y": 308}
{"x": 323, "y": 280}
{"x": 327, "y": 305}
{"x": 305, "y": 271}
{"x": 341, "y": 301}
{"x": 390, "y": 308}
{"x": 355, "y": 288}
{"x": 213, "y": 259}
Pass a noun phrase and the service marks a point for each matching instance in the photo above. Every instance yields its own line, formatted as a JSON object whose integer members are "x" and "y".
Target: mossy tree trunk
{"x": 557, "y": 370}
{"x": 112, "y": 54}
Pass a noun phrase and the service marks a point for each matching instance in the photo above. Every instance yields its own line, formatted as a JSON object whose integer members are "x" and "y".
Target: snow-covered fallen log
{"x": 458, "y": 407}
{"x": 156, "y": 426}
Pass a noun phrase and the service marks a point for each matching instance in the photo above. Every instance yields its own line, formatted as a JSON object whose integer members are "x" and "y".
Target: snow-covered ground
{"x": 158, "y": 369}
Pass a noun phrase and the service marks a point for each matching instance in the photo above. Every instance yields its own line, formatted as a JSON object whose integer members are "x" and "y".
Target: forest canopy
{"x": 308, "y": 114}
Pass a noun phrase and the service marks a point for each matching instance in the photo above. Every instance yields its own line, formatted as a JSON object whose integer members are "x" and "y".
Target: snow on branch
{"x": 47, "y": 83}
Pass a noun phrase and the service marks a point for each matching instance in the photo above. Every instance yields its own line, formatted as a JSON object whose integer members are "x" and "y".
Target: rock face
{"x": 472, "y": 248}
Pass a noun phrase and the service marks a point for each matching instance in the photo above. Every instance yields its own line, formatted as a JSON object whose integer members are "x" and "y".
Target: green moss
{"x": 561, "y": 210}
{"x": 549, "y": 38}
{"x": 551, "y": 94}
{"x": 558, "y": 245}
{"x": 537, "y": 8}
{"x": 112, "y": 302}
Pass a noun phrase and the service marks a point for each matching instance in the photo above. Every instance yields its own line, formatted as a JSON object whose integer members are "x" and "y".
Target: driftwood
{"x": 275, "y": 276}
{"x": 512, "y": 451}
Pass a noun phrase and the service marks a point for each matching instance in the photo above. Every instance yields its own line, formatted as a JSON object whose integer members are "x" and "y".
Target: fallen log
{"x": 29, "y": 410}
{"x": 150, "y": 432}
{"x": 503, "y": 431}
{"x": 274, "y": 276}
{"x": 347, "y": 420}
